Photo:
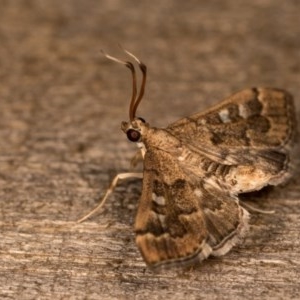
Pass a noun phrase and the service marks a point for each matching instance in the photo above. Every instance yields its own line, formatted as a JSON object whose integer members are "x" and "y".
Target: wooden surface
{"x": 61, "y": 104}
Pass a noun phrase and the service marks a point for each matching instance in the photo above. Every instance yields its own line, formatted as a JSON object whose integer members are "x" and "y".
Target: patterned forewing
{"x": 180, "y": 223}
{"x": 258, "y": 118}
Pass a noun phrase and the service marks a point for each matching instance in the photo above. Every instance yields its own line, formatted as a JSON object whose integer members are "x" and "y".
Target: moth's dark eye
{"x": 133, "y": 135}
{"x": 143, "y": 120}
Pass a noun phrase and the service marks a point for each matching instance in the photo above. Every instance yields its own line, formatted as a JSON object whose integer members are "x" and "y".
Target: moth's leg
{"x": 139, "y": 156}
{"x": 254, "y": 209}
{"x": 113, "y": 184}
{"x": 136, "y": 159}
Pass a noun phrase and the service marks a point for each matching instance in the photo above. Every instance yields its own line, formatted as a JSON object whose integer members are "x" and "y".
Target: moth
{"x": 195, "y": 168}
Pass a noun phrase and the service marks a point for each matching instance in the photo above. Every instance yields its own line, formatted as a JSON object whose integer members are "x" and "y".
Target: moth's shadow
{"x": 271, "y": 221}
{"x": 257, "y": 197}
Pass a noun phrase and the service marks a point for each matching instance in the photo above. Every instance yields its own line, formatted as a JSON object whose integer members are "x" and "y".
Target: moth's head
{"x": 135, "y": 129}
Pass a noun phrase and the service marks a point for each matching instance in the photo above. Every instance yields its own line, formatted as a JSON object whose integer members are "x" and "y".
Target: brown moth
{"x": 195, "y": 168}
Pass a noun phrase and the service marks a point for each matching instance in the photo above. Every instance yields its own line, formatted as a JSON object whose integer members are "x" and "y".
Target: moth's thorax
{"x": 160, "y": 139}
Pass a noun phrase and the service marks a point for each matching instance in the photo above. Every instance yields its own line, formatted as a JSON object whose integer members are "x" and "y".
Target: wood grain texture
{"x": 61, "y": 105}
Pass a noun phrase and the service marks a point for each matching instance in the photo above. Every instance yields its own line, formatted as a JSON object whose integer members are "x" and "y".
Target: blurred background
{"x": 61, "y": 101}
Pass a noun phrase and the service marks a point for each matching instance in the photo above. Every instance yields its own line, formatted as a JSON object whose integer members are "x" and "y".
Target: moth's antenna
{"x": 143, "y": 68}
{"x": 130, "y": 66}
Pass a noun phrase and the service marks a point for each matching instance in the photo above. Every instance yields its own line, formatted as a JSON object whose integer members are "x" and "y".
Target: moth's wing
{"x": 179, "y": 222}
{"x": 254, "y": 127}
{"x": 258, "y": 118}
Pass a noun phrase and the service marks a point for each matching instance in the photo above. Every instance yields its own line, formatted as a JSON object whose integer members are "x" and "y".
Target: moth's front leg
{"x": 139, "y": 156}
{"x": 136, "y": 159}
{"x": 111, "y": 188}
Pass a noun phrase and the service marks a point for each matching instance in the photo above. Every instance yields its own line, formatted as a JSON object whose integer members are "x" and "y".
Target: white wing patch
{"x": 198, "y": 193}
{"x": 243, "y": 111}
{"x": 159, "y": 200}
{"x": 224, "y": 115}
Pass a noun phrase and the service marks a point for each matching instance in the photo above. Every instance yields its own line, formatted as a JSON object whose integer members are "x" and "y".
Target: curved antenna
{"x": 130, "y": 66}
{"x": 143, "y": 68}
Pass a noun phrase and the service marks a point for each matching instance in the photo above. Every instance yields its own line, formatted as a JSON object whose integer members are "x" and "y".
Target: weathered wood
{"x": 61, "y": 104}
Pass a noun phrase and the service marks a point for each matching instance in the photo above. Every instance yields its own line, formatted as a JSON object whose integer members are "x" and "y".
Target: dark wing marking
{"x": 259, "y": 118}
